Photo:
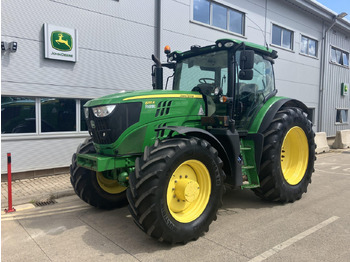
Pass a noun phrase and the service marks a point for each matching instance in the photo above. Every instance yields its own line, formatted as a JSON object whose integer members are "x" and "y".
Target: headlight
{"x": 102, "y": 111}
{"x": 86, "y": 112}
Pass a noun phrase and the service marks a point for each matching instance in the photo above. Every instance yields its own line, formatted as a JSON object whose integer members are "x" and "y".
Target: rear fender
{"x": 275, "y": 107}
{"x": 264, "y": 119}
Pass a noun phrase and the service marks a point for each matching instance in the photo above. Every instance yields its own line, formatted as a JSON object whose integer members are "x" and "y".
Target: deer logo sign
{"x": 61, "y": 41}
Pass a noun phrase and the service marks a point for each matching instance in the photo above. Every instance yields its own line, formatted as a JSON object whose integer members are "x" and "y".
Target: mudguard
{"x": 231, "y": 166}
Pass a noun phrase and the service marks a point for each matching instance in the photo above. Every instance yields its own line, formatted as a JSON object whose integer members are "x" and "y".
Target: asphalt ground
{"x": 315, "y": 228}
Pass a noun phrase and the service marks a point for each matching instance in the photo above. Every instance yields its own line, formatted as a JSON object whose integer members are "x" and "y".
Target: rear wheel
{"x": 288, "y": 157}
{"x": 93, "y": 187}
{"x": 176, "y": 189}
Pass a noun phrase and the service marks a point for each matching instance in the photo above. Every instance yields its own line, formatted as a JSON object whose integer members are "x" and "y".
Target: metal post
{"x": 9, "y": 184}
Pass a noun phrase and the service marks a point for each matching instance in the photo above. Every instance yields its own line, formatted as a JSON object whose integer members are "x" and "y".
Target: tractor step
{"x": 247, "y": 185}
{"x": 248, "y": 167}
{"x": 245, "y": 148}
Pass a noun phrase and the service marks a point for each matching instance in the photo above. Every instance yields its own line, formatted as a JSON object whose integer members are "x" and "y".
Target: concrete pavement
{"x": 316, "y": 228}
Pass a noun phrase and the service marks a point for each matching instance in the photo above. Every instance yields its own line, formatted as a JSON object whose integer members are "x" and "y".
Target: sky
{"x": 338, "y": 6}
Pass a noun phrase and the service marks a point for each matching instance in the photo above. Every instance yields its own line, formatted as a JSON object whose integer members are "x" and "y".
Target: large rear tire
{"x": 288, "y": 157}
{"x": 176, "y": 189}
{"x": 93, "y": 187}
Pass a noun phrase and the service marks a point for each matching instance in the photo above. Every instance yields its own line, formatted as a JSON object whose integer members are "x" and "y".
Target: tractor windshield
{"x": 210, "y": 69}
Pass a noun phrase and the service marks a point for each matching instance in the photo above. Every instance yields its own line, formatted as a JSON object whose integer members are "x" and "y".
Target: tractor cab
{"x": 235, "y": 78}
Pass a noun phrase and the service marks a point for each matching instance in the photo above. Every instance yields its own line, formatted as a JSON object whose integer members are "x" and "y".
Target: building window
{"x": 41, "y": 115}
{"x": 18, "y": 115}
{"x": 308, "y": 46}
{"x": 339, "y": 56}
{"x": 342, "y": 116}
{"x": 217, "y": 15}
{"x": 201, "y": 11}
{"x": 282, "y": 37}
{"x": 58, "y": 114}
{"x": 311, "y": 114}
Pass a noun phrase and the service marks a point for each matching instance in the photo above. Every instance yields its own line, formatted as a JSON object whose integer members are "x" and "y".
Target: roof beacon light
{"x": 167, "y": 50}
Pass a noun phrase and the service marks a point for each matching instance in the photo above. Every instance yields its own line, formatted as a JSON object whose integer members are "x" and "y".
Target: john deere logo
{"x": 61, "y": 41}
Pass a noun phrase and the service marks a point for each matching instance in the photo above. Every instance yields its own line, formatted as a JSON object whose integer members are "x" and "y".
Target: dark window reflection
{"x": 17, "y": 115}
{"x": 58, "y": 114}
{"x": 83, "y": 126}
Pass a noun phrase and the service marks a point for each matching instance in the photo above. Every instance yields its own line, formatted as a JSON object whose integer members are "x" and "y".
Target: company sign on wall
{"x": 61, "y": 43}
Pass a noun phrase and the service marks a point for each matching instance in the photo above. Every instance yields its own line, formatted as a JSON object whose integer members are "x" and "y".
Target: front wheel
{"x": 176, "y": 189}
{"x": 93, "y": 187}
{"x": 288, "y": 157}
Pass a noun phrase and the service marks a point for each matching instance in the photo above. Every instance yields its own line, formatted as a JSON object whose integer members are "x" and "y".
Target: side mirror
{"x": 157, "y": 73}
{"x": 246, "y": 59}
{"x": 245, "y": 74}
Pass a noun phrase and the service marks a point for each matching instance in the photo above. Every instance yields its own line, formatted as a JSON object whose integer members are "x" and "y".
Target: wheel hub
{"x": 109, "y": 185}
{"x": 294, "y": 155}
{"x": 187, "y": 190}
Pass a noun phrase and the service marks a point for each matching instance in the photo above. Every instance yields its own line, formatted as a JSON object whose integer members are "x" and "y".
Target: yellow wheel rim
{"x": 294, "y": 155}
{"x": 188, "y": 191}
{"x": 109, "y": 185}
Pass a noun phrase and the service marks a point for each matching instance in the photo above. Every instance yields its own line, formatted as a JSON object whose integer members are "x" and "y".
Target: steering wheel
{"x": 204, "y": 80}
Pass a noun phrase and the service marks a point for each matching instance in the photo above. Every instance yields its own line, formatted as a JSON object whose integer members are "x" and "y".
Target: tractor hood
{"x": 140, "y": 96}
{"x": 127, "y": 122}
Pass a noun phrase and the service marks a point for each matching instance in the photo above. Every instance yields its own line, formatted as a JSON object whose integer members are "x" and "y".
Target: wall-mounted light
{"x": 12, "y": 46}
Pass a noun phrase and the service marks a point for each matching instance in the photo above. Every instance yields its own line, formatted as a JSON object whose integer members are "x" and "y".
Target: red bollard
{"x": 9, "y": 184}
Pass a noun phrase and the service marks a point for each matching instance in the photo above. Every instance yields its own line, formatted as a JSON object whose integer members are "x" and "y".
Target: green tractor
{"x": 168, "y": 153}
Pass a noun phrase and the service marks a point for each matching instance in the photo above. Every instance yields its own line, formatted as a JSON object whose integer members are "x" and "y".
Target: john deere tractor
{"x": 168, "y": 153}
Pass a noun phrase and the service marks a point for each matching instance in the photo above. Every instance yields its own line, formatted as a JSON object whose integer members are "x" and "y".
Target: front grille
{"x": 106, "y": 130}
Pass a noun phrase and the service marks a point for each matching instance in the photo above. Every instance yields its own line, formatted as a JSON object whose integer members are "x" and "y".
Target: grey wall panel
{"x": 127, "y": 10}
{"x": 39, "y": 154}
{"x": 97, "y": 30}
{"x": 334, "y": 76}
{"x": 94, "y": 70}
{"x": 111, "y": 55}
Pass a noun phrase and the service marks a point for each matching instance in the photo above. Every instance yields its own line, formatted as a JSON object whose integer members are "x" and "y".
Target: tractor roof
{"x": 221, "y": 44}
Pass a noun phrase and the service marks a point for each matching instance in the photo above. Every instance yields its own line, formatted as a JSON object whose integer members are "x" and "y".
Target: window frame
{"x": 311, "y": 115}
{"x": 228, "y": 9}
{"x": 283, "y": 28}
{"x": 342, "y": 51}
{"x": 347, "y": 116}
{"x": 308, "y": 39}
{"x": 39, "y": 133}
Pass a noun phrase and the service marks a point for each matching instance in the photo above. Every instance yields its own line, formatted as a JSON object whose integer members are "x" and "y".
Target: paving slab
{"x": 35, "y": 189}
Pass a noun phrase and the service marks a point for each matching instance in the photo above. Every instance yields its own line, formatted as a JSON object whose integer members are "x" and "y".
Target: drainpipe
{"x": 158, "y": 28}
{"x": 323, "y": 64}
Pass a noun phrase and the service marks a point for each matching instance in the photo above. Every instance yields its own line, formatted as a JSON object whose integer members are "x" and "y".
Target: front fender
{"x": 203, "y": 134}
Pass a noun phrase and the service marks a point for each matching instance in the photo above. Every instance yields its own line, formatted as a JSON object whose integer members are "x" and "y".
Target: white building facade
{"x": 42, "y": 98}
